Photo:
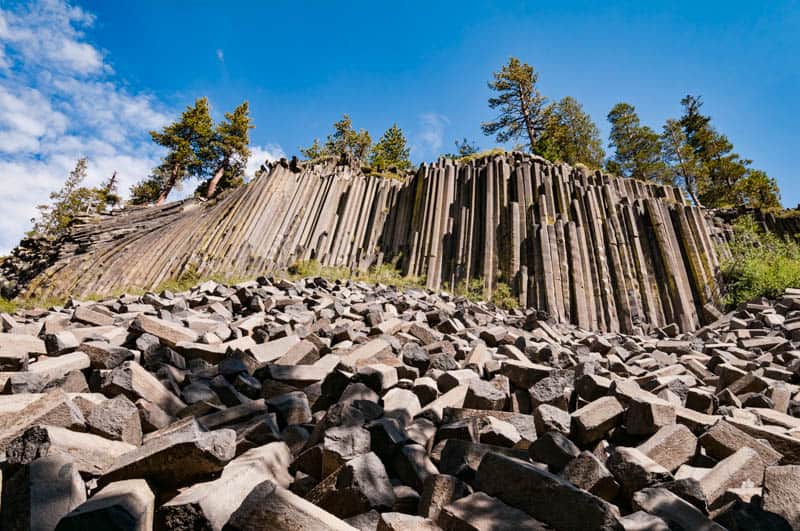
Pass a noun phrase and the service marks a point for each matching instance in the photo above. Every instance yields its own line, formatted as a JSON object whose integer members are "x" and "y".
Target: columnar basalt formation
{"x": 598, "y": 251}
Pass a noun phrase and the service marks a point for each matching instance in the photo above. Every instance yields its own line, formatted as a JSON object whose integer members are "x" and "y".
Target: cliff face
{"x": 602, "y": 252}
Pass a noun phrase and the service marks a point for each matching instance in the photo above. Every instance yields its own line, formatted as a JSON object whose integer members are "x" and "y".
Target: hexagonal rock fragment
{"x": 587, "y": 472}
{"x": 550, "y": 391}
{"x": 92, "y": 454}
{"x": 439, "y": 490}
{"x": 782, "y": 493}
{"x": 105, "y": 356}
{"x": 645, "y": 417}
{"x": 39, "y": 494}
{"x": 547, "y": 498}
{"x": 641, "y": 521}
{"x": 15, "y": 349}
{"x": 676, "y": 512}
{"x": 671, "y": 446}
{"x": 550, "y": 418}
{"x": 591, "y": 422}
{"x": 53, "y": 408}
{"x": 209, "y": 505}
{"x": 179, "y": 456}
{"x": 554, "y": 450}
{"x": 479, "y": 512}
{"x": 483, "y": 395}
{"x": 269, "y": 506}
{"x": 342, "y": 443}
{"x": 122, "y": 506}
{"x": 724, "y": 439}
{"x": 745, "y": 465}
{"x": 134, "y": 381}
{"x": 492, "y": 430}
{"x": 452, "y": 379}
{"x": 404, "y": 522}
{"x": 168, "y": 332}
{"x": 413, "y": 466}
{"x": 634, "y": 470}
{"x": 117, "y": 419}
{"x": 401, "y": 404}
{"x": 358, "y": 486}
{"x": 291, "y": 408}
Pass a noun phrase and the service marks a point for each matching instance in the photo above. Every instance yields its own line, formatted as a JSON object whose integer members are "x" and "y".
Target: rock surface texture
{"x": 593, "y": 250}
{"x": 316, "y": 405}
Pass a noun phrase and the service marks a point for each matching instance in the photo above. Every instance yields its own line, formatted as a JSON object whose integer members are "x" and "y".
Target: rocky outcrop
{"x": 598, "y": 251}
{"x": 313, "y": 404}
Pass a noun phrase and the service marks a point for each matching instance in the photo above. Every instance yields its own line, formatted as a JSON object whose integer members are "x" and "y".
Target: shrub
{"x": 762, "y": 264}
{"x": 503, "y": 298}
{"x": 7, "y": 306}
{"x": 471, "y": 289}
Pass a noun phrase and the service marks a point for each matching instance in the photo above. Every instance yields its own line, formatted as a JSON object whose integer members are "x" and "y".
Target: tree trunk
{"x": 212, "y": 184}
{"x": 526, "y": 111}
{"x": 170, "y": 185}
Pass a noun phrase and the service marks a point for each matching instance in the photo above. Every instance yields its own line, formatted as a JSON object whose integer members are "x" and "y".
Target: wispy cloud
{"x": 261, "y": 154}
{"x": 429, "y": 137}
{"x": 220, "y": 55}
{"x": 61, "y": 100}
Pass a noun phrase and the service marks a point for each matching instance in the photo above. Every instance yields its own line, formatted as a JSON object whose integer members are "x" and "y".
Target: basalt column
{"x": 587, "y": 248}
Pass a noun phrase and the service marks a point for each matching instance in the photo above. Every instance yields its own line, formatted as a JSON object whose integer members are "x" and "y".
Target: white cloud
{"x": 220, "y": 55}
{"x": 428, "y": 140}
{"x": 62, "y": 102}
{"x": 261, "y": 154}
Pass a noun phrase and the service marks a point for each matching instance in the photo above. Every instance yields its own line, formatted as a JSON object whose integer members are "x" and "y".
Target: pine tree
{"x": 757, "y": 190}
{"x": 313, "y": 152}
{"x": 228, "y": 151}
{"x": 72, "y": 200}
{"x": 519, "y": 101}
{"x": 637, "y": 148}
{"x": 148, "y": 190}
{"x": 569, "y": 135}
{"x": 391, "y": 150}
{"x": 465, "y": 148}
{"x": 107, "y": 194}
{"x": 188, "y": 141}
{"x": 344, "y": 142}
{"x": 680, "y": 158}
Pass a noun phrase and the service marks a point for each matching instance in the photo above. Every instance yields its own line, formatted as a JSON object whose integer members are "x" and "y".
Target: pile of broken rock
{"x": 318, "y": 405}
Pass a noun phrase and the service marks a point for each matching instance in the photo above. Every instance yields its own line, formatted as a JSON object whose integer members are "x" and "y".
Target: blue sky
{"x": 91, "y": 77}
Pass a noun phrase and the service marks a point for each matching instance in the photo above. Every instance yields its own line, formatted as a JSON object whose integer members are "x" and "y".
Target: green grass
{"x": 471, "y": 289}
{"x": 481, "y": 154}
{"x": 503, "y": 298}
{"x": 762, "y": 264}
{"x": 387, "y": 274}
{"x": 7, "y": 306}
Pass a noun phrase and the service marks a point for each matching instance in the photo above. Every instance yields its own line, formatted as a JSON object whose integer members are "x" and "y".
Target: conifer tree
{"x": 228, "y": 151}
{"x": 314, "y": 151}
{"x": 147, "y": 190}
{"x": 680, "y": 159}
{"x": 344, "y": 142}
{"x": 521, "y": 106}
{"x": 569, "y": 135}
{"x": 465, "y": 148}
{"x": 637, "y": 148}
{"x": 187, "y": 141}
{"x": 724, "y": 178}
{"x": 391, "y": 150}
{"x": 72, "y": 200}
